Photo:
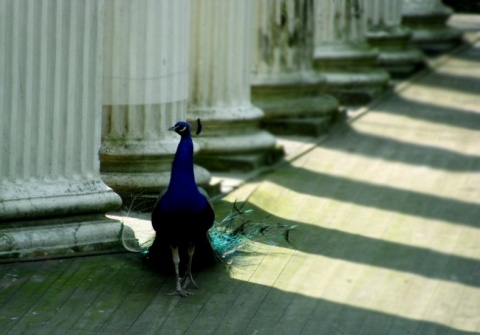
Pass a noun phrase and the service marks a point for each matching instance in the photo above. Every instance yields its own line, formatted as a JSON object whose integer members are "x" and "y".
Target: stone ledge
{"x": 52, "y": 238}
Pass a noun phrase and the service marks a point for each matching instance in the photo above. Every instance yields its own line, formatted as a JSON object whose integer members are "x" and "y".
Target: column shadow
{"x": 136, "y": 303}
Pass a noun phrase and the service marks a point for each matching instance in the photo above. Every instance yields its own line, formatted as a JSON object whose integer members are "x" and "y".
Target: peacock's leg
{"x": 188, "y": 276}
{"x": 176, "y": 261}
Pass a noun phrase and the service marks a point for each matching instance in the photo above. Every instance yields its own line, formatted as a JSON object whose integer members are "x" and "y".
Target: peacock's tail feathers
{"x": 240, "y": 234}
{"x": 233, "y": 239}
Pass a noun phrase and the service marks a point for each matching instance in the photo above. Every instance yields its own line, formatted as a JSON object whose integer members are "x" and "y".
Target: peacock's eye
{"x": 181, "y": 130}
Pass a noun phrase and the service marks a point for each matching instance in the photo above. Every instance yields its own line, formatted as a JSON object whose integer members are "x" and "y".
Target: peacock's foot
{"x": 187, "y": 280}
{"x": 180, "y": 292}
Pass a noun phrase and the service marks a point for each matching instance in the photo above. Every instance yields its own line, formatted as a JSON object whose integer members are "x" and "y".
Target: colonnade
{"x": 89, "y": 89}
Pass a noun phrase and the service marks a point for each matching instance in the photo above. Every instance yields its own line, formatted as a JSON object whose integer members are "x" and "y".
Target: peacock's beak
{"x": 172, "y": 128}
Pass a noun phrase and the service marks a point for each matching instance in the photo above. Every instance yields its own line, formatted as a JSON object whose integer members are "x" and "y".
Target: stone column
{"x": 52, "y": 200}
{"x": 427, "y": 19}
{"x": 145, "y": 93}
{"x": 342, "y": 53}
{"x": 284, "y": 84}
{"x": 220, "y": 88}
{"x": 385, "y": 32}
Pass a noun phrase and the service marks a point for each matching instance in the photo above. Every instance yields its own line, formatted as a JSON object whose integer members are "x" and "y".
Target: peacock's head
{"x": 182, "y": 128}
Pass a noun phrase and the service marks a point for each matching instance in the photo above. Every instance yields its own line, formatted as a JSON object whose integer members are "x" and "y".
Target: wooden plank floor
{"x": 387, "y": 209}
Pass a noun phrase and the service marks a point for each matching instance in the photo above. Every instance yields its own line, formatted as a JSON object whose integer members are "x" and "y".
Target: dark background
{"x": 464, "y": 6}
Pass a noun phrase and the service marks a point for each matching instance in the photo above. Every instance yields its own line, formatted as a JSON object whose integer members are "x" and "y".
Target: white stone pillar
{"x": 220, "y": 87}
{"x": 145, "y": 92}
{"x": 342, "y": 53}
{"x": 284, "y": 84}
{"x": 385, "y": 32}
{"x": 427, "y": 21}
{"x": 52, "y": 199}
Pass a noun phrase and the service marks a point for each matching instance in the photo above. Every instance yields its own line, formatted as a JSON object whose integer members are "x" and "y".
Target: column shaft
{"x": 220, "y": 87}
{"x": 145, "y": 92}
{"x": 284, "y": 84}
{"x": 342, "y": 53}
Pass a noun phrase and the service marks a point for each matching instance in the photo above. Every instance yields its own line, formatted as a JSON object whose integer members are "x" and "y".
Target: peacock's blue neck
{"x": 182, "y": 177}
{"x": 182, "y": 193}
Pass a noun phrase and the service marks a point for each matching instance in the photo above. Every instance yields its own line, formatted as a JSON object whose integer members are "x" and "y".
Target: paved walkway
{"x": 387, "y": 209}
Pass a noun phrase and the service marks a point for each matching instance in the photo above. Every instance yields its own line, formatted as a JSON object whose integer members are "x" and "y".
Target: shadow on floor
{"x": 116, "y": 294}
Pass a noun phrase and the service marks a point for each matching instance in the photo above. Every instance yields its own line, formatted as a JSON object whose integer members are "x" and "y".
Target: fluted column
{"x": 342, "y": 53}
{"x": 284, "y": 84}
{"x": 52, "y": 199}
{"x": 386, "y": 33}
{"x": 427, "y": 21}
{"x": 220, "y": 87}
{"x": 145, "y": 92}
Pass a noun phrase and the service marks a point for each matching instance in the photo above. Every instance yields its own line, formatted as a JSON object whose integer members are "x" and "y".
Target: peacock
{"x": 182, "y": 215}
{"x": 183, "y": 218}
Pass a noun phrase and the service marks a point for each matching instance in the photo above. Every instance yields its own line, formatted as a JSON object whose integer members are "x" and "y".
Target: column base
{"x": 139, "y": 191}
{"x": 62, "y": 237}
{"x": 295, "y": 108}
{"x": 36, "y": 199}
{"x": 430, "y": 31}
{"x": 242, "y": 162}
{"x": 356, "y": 87}
{"x": 126, "y": 183}
{"x": 145, "y": 201}
{"x": 142, "y": 167}
{"x": 308, "y": 126}
{"x": 232, "y": 139}
{"x": 396, "y": 55}
{"x": 350, "y": 72}
{"x": 401, "y": 64}
{"x": 238, "y": 152}
{"x": 344, "y": 56}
